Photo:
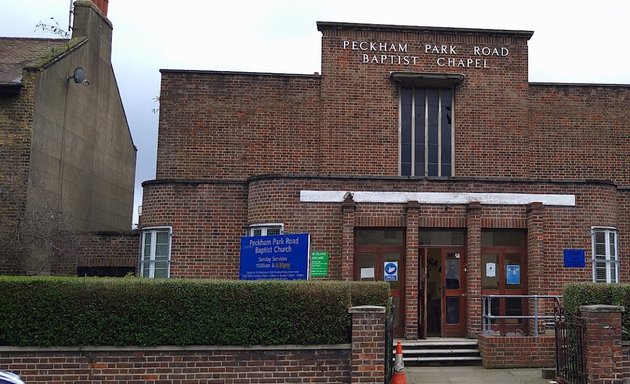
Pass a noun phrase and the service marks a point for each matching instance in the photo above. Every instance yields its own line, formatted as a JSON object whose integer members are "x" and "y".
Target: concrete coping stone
{"x": 367, "y": 309}
{"x": 602, "y": 308}
{"x": 176, "y": 348}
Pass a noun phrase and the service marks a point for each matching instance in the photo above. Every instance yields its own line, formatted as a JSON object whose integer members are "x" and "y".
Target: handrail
{"x": 487, "y": 315}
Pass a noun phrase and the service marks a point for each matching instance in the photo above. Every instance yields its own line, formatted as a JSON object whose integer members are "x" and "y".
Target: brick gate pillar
{"x": 348, "y": 208}
{"x": 603, "y": 353}
{"x": 473, "y": 268}
{"x": 411, "y": 274}
{"x": 368, "y": 344}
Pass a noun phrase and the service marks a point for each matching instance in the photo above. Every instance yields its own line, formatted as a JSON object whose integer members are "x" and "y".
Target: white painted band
{"x": 438, "y": 197}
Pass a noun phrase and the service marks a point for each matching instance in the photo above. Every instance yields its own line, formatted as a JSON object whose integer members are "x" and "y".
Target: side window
{"x": 265, "y": 229}
{"x": 605, "y": 255}
{"x": 155, "y": 253}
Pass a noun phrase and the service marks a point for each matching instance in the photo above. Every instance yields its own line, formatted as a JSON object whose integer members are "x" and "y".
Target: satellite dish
{"x": 79, "y": 76}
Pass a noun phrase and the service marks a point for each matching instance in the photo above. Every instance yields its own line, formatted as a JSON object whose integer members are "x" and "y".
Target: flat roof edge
{"x": 322, "y": 25}
{"x": 550, "y": 84}
{"x": 239, "y": 73}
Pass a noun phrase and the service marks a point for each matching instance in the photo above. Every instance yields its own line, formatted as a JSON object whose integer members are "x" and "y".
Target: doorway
{"x": 443, "y": 287}
{"x": 379, "y": 256}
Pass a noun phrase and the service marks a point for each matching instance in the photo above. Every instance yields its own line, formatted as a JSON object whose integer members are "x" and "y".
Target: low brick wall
{"x": 362, "y": 361}
{"x": 281, "y": 364}
{"x": 517, "y": 351}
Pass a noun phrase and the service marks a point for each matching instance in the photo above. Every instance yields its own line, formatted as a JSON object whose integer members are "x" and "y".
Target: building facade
{"x": 67, "y": 158}
{"x": 419, "y": 146}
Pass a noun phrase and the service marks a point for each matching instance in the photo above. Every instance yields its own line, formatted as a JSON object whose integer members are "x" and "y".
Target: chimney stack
{"x": 102, "y": 5}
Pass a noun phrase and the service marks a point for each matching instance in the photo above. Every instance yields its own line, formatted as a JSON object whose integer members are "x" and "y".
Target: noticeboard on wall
{"x": 319, "y": 264}
{"x": 278, "y": 257}
{"x": 574, "y": 258}
{"x": 513, "y": 274}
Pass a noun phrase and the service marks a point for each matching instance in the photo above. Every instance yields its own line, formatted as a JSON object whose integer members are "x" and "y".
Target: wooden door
{"x": 453, "y": 311}
{"x": 384, "y": 263}
{"x": 422, "y": 294}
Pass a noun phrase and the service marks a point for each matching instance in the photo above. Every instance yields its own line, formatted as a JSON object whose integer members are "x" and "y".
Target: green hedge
{"x": 578, "y": 294}
{"x": 47, "y": 311}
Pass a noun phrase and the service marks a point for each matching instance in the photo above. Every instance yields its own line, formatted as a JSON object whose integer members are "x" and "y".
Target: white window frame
{"x": 154, "y": 231}
{"x": 265, "y": 228}
{"x": 610, "y": 257}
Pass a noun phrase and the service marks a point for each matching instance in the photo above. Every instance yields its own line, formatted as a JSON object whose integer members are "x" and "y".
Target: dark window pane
{"x": 420, "y": 140}
{"x": 452, "y": 270}
{"x": 452, "y": 310}
{"x": 432, "y": 139}
{"x": 499, "y": 238}
{"x": 432, "y": 169}
{"x": 445, "y": 131}
{"x": 406, "y": 153}
{"x": 420, "y": 164}
{"x": 379, "y": 236}
{"x": 405, "y": 169}
{"x": 514, "y": 307}
{"x": 405, "y": 130}
{"x": 446, "y": 169}
{"x": 442, "y": 237}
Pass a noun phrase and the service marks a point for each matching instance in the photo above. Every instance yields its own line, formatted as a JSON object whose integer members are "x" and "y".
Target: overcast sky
{"x": 574, "y": 41}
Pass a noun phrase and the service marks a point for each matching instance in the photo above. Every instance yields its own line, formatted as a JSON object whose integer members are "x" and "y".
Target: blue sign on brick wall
{"x": 574, "y": 258}
{"x": 278, "y": 257}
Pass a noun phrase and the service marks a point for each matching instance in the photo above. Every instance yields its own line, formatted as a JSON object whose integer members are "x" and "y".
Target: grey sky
{"x": 574, "y": 41}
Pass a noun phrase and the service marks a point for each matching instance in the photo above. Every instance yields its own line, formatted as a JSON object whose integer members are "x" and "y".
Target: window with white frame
{"x": 605, "y": 255}
{"x": 155, "y": 253}
{"x": 265, "y": 229}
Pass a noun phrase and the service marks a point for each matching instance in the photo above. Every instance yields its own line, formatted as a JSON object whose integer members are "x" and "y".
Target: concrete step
{"x": 444, "y": 359}
{"x": 440, "y": 351}
{"x": 450, "y": 351}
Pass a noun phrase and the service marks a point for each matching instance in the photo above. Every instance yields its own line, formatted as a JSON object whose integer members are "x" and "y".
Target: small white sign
{"x": 367, "y": 273}
{"x": 491, "y": 270}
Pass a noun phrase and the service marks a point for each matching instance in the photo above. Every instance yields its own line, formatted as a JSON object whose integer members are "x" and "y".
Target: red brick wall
{"x": 517, "y": 351}
{"x": 98, "y": 249}
{"x": 16, "y": 128}
{"x": 178, "y": 365}
{"x": 360, "y": 103}
{"x": 579, "y": 132}
{"x": 234, "y": 125}
{"x": 207, "y": 220}
{"x": 623, "y": 212}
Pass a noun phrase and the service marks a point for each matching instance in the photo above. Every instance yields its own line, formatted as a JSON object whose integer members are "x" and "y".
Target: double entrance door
{"x": 442, "y": 301}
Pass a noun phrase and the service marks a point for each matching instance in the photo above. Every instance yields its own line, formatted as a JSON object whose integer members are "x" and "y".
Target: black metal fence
{"x": 389, "y": 342}
{"x": 570, "y": 358}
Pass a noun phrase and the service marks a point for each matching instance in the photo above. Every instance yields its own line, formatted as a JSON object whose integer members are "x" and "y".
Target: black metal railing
{"x": 570, "y": 359}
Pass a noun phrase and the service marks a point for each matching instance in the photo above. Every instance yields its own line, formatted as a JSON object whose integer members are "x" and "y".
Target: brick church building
{"x": 423, "y": 147}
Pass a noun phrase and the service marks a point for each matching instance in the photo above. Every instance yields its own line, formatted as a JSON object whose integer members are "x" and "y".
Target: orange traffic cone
{"x": 399, "y": 377}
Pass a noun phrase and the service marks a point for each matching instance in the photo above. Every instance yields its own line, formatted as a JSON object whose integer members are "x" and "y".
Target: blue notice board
{"x": 574, "y": 258}
{"x": 278, "y": 257}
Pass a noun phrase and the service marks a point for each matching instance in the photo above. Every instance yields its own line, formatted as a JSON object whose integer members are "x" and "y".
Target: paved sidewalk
{"x": 474, "y": 374}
